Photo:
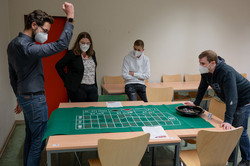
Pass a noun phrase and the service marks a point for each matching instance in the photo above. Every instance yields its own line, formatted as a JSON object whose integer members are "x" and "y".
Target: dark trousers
{"x": 85, "y": 93}
{"x": 132, "y": 89}
{"x": 241, "y": 119}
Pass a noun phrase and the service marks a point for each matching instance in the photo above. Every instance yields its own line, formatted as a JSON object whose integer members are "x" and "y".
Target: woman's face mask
{"x": 84, "y": 47}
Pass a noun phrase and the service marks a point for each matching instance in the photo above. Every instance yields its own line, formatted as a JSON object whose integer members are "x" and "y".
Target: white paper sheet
{"x": 156, "y": 132}
{"x": 114, "y": 104}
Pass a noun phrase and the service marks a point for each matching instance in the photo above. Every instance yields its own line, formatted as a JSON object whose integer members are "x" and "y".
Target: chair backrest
{"x": 122, "y": 152}
{"x": 159, "y": 94}
{"x": 215, "y": 147}
{"x": 217, "y": 108}
{"x": 171, "y": 78}
{"x": 244, "y": 75}
{"x": 192, "y": 77}
{"x": 112, "y": 98}
{"x": 113, "y": 80}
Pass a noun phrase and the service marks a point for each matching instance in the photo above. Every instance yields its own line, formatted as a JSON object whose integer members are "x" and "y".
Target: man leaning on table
{"x": 27, "y": 79}
{"x": 233, "y": 89}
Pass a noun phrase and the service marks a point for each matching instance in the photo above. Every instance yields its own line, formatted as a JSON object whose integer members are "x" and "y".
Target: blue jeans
{"x": 35, "y": 112}
{"x": 241, "y": 119}
{"x": 132, "y": 89}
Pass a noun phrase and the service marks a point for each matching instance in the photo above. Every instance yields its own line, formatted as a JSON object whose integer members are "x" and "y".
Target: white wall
{"x": 175, "y": 32}
{"x": 7, "y": 99}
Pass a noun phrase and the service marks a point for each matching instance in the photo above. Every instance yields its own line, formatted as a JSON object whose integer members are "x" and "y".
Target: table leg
{"x": 48, "y": 158}
{"x": 177, "y": 153}
{"x": 57, "y": 159}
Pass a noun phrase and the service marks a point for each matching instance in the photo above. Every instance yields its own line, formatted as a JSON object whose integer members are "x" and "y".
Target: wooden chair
{"x": 121, "y": 152}
{"x": 103, "y": 98}
{"x": 113, "y": 80}
{"x": 178, "y": 96}
{"x": 171, "y": 78}
{"x": 244, "y": 75}
{"x": 195, "y": 77}
{"x": 192, "y": 77}
{"x": 159, "y": 94}
{"x": 217, "y": 108}
{"x": 213, "y": 148}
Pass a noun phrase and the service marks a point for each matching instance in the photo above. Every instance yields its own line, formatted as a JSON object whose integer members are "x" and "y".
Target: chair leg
{"x": 153, "y": 157}
{"x": 77, "y": 158}
{"x": 186, "y": 144}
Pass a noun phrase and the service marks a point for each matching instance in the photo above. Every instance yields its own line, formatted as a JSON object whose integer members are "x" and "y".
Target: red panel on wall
{"x": 54, "y": 87}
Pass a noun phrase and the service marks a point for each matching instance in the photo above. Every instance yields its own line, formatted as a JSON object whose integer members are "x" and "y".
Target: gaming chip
{"x": 128, "y": 109}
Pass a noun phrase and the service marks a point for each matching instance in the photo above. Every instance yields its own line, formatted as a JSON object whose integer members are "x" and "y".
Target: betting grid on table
{"x": 93, "y": 120}
{"x": 120, "y": 118}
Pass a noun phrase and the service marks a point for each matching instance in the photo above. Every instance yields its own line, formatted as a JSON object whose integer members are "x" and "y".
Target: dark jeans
{"x": 35, "y": 112}
{"x": 241, "y": 119}
{"x": 85, "y": 93}
{"x": 132, "y": 89}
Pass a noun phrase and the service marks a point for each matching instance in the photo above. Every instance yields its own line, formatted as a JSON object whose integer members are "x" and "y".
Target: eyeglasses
{"x": 45, "y": 30}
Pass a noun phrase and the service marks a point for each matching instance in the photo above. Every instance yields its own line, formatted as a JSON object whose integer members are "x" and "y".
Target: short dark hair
{"x": 38, "y": 16}
{"x": 211, "y": 56}
{"x": 139, "y": 43}
{"x": 76, "y": 48}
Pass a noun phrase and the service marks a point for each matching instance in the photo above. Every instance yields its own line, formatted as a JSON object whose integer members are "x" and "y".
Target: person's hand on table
{"x": 189, "y": 103}
{"x": 226, "y": 126}
{"x": 18, "y": 109}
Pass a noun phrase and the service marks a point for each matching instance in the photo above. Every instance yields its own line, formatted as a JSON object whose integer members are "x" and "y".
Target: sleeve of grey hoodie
{"x": 146, "y": 71}
{"x": 44, "y": 50}
{"x": 125, "y": 69}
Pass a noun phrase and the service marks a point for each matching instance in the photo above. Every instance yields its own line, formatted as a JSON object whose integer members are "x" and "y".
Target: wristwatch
{"x": 71, "y": 20}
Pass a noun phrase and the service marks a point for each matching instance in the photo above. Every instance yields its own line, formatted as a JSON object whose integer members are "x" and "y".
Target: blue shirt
{"x": 25, "y": 60}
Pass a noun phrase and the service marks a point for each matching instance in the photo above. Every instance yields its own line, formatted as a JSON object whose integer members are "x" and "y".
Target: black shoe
{"x": 244, "y": 163}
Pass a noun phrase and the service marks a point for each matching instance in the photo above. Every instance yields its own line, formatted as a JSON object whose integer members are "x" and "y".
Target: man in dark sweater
{"x": 27, "y": 79}
{"x": 233, "y": 89}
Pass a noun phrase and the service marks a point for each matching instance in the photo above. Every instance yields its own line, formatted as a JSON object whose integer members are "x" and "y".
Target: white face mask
{"x": 84, "y": 47}
{"x": 41, "y": 37}
{"x": 203, "y": 69}
{"x": 137, "y": 53}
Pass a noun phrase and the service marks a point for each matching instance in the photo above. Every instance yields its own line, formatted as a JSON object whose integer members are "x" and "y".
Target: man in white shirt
{"x": 135, "y": 70}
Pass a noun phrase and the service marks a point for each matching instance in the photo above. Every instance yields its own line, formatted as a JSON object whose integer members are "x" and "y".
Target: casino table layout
{"x": 90, "y": 120}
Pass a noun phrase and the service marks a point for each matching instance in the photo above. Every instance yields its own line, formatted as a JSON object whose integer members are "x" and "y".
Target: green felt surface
{"x": 123, "y": 119}
{"x": 102, "y": 98}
